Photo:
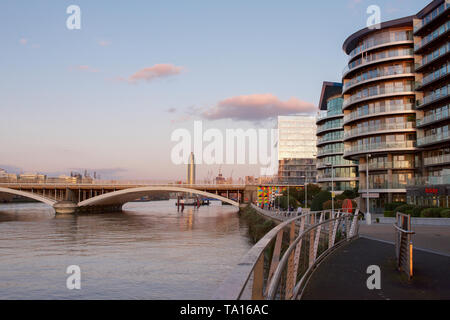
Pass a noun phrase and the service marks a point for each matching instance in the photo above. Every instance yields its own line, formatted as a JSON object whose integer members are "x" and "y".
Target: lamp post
{"x": 368, "y": 216}
{"x": 332, "y": 187}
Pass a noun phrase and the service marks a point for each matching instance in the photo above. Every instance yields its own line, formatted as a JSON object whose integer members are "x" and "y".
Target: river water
{"x": 148, "y": 251}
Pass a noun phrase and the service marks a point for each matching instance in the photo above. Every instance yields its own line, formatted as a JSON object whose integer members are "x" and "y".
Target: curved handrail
{"x": 234, "y": 285}
{"x": 273, "y": 286}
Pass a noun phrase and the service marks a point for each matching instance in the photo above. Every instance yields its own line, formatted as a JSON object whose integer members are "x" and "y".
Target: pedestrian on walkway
{"x": 299, "y": 211}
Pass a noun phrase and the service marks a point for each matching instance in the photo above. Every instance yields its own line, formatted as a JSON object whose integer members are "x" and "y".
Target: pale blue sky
{"x": 63, "y": 106}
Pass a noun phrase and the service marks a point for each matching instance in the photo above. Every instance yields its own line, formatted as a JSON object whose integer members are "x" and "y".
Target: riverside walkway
{"x": 343, "y": 274}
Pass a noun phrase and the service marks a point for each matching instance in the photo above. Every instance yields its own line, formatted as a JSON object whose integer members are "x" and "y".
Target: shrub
{"x": 431, "y": 212}
{"x": 319, "y": 200}
{"x": 327, "y": 204}
{"x": 389, "y": 213}
{"x": 416, "y": 211}
{"x": 392, "y": 205}
{"x": 404, "y": 208}
{"x": 445, "y": 213}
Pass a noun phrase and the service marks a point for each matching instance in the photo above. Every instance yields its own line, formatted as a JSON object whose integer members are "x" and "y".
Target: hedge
{"x": 392, "y": 205}
{"x": 389, "y": 213}
{"x": 445, "y": 213}
{"x": 431, "y": 212}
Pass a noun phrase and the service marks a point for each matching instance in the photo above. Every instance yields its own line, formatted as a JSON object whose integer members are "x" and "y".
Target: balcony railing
{"x": 436, "y": 54}
{"x": 378, "y": 57}
{"x": 432, "y": 36}
{"x": 431, "y": 16}
{"x": 384, "y": 38}
{"x": 436, "y": 75}
{"x": 324, "y": 164}
{"x": 379, "y": 73}
{"x": 333, "y": 138}
{"x": 377, "y": 110}
{"x": 432, "y": 118}
{"x": 432, "y": 98}
{"x": 381, "y": 127}
{"x": 376, "y": 92}
{"x": 328, "y": 115}
{"x": 329, "y": 126}
{"x": 387, "y": 165}
{"x": 434, "y": 138}
{"x": 321, "y": 152}
{"x": 380, "y": 146}
{"x": 445, "y": 158}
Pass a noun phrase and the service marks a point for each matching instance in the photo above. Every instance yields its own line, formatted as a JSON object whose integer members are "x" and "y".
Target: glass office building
{"x": 297, "y": 149}
{"x": 331, "y": 166}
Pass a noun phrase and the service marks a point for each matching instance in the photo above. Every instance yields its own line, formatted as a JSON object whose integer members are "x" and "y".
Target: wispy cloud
{"x": 171, "y": 110}
{"x": 155, "y": 72}
{"x": 104, "y": 43}
{"x": 256, "y": 107}
{"x": 23, "y": 41}
{"x": 84, "y": 68}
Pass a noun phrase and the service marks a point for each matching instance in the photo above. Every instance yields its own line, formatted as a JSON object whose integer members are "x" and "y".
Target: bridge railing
{"x": 279, "y": 265}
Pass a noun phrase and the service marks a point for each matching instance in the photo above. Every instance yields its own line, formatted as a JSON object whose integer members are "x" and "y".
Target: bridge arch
{"x": 29, "y": 195}
{"x": 127, "y": 195}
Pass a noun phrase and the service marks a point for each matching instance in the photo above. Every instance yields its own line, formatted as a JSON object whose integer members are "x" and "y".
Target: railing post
{"x": 258, "y": 277}
{"x": 311, "y": 242}
{"x": 316, "y": 240}
{"x": 276, "y": 255}
{"x": 291, "y": 276}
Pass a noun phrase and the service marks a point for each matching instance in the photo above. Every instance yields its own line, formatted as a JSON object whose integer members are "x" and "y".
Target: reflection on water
{"x": 149, "y": 251}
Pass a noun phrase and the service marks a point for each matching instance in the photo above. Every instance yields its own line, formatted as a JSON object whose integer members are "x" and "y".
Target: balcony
{"x": 431, "y": 17}
{"x": 432, "y": 98}
{"x": 379, "y": 147}
{"x": 355, "y": 132}
{"x": 322, "y": 140}
{"x": 378, "y": 111}
{"x": 433, "y": 57}
{"x": 386, "y": 38}
{"x": 436, "y": 34}
{"x": 328, "y": 115}
{"x": 437, "y": 75}
{"x": 387, "y": 165}
{"x": 435, "y": 161}
{"x": 378, "y": 74}
{"x": 378, "y": 92}
{"x": 323, "y": 152}
{"x": 329, "y": 127}
{"x": 379, "y": 57}
{"x": 433, "y": 118}
{"x": 343, "y": 163}
{"x": 433, "y": 139}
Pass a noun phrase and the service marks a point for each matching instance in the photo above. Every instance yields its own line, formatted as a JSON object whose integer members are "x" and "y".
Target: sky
{"x": 107, "y": 97}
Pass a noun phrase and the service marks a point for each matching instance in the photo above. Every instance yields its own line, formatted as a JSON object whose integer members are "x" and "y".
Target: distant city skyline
{"x": 107, "y": 97}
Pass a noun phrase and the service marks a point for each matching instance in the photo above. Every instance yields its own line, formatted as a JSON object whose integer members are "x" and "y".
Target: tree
{"x": 319, "y": 200}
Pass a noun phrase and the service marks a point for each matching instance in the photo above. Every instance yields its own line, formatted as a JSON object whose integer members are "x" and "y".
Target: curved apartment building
{"x": 331, "y": 166}
{"x": 379, "y": 110}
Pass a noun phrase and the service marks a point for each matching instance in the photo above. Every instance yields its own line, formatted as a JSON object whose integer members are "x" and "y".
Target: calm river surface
{"x": 149, "y": 251}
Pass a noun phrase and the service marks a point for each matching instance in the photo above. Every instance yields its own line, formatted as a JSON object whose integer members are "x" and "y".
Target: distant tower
{"x": 191, "y": 169}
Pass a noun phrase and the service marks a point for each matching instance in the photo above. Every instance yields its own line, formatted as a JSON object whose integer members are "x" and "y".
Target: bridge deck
{"x": 343, "y": 275}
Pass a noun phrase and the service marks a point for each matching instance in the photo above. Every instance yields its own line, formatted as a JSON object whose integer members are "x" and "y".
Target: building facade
{"x": 191, "y": 170}
{"x": 297, "y": 149}
{"x": 331, "y": 166}
{"x": 431, "y": 52}
{"x": 396, "y": 118}
{"x": 379, "y": 112}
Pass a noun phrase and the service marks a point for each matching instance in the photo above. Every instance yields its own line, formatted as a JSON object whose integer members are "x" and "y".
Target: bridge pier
{"x": 65, "y": 207}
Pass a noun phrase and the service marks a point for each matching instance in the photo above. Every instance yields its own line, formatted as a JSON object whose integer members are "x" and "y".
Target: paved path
{"x": 343, "y": 274}
{"x": 435, "y": 238}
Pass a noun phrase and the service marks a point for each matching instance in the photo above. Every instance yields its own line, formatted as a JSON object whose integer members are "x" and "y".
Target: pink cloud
{"x": 85, "y": 68}
{"x": 23, "y": 41}
{"x": 157, "y": 71}
{"x": 257, "y": 107}
{"x": 104, "y": 43}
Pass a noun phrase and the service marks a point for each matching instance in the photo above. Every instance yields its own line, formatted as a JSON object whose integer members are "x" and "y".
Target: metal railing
{"x": 279, "y": 265}
{"x": 403, "y": 243}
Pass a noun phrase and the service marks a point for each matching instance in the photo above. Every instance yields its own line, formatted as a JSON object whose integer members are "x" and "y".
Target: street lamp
{"x": 368, "y": 216}
{"x": 332, "y": 186}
